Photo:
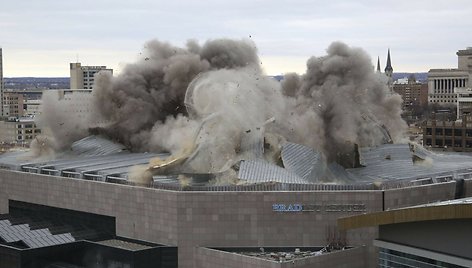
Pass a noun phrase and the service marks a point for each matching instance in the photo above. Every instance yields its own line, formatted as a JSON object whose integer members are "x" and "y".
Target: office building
{"x": 443, "y": 84}
{"x": 82, "y": 77}
{"x": 19, "y": 131}
{"x": 449, "y": 135}
{"x": 13, "y": 104}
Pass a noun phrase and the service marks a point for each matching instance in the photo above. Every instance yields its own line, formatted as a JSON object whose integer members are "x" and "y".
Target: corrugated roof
{"x": 96, "y": 145}
{"x": 303, "y": 165}
{"x": 300, "y": 159}
{"x": 257, "y": 171}
{"x": 400, "y": 164}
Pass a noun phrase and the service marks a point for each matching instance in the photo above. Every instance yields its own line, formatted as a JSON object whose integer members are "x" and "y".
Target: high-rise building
{"x": 82, "y": 77}
{"x": 443, "y": 84}
{"x": 1, "y": 82}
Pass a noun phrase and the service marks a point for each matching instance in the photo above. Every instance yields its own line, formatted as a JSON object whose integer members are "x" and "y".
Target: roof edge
{"x": 411, "y": 214}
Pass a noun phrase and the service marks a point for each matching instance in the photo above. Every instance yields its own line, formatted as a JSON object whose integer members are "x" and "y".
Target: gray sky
{"x": 40, "y": 38}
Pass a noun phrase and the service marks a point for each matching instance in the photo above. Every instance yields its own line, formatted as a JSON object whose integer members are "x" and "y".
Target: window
{"x": 392, "y": 258}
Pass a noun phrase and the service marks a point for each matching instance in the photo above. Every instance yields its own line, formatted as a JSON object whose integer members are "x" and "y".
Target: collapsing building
{"x": 96, "y": 158}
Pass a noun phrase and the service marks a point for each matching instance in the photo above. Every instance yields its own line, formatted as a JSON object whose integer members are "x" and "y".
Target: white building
{"x": 74, "y": 105}
{"x": 82, "y": 77}
{"x": 443, "y": 83}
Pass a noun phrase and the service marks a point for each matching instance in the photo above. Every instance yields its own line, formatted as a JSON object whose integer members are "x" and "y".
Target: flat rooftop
{"x": 283, "y": 254}
{"x": 117, "y": 243}
{"x": 98, "y": 159}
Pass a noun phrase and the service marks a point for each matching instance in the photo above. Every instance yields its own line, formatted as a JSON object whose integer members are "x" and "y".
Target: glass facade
{"x": 391, "y": 258}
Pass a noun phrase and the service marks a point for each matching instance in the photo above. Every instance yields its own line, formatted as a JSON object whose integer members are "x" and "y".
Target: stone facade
{"x": 191, "y": 220}
{"x": 443, "y": 83}
{"x": 417, "y": 195}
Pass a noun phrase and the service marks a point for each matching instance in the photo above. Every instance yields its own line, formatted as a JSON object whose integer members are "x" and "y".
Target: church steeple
{"x": 388, "y": 68}
{"x": 378, "y": 64}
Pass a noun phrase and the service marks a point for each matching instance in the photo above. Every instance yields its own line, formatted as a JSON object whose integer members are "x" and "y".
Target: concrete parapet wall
{"x": 411, "y": 196}
{"x": 467, "y": 188}
{"x": 212, "y": 258}
{"x": 140, "y": 213}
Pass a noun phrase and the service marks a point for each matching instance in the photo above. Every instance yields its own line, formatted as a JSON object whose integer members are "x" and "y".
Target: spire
{"x": 378, "y": 64}
{"x": 388, "y": 68}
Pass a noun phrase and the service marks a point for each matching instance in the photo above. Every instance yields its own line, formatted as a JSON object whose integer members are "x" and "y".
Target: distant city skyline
{"x": 40, "y": 39}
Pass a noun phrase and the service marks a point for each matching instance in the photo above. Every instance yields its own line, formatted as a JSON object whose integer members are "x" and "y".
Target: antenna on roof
{"x": 77, "y": 58}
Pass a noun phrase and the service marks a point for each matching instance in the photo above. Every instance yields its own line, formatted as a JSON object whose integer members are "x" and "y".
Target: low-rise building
{"x": 19, "y": 131}
{"x": 12, "y": 104}
{"x": 451, "y": 135}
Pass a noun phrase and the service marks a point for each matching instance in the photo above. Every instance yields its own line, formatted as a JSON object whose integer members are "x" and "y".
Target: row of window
{"x": 26, "y": 137}
{"x": 449, "y": 83}
{"x": 447, "y": 143}
{"x": 442, "y": 96}
{"x": 29, "y": 131}
{"x": 448, "y": 132}
{"x": 25, "y": 126}
{"x": 442, "y": 101}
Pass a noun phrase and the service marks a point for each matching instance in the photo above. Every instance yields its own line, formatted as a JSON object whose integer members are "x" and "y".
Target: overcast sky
{"x": 40, "y": 38}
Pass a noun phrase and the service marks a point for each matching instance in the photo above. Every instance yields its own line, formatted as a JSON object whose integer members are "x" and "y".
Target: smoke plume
{"x": 212, "y": 105}
{"x": 346, "y": 99}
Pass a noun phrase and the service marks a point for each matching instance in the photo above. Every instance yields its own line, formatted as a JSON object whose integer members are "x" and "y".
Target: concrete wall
{"x": 191, "y": 219}
{"x": 214, "y": 219}
{"x": 141, "y": 213}
{"x": 404, "y": 197}
{"x": 211, "y": 258}
{"x": 239, "y": 219}
{"x": 467, "y": 187}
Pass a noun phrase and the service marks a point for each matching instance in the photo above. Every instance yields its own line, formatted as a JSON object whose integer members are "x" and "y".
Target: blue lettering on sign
{"x": 287, "y": 207}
